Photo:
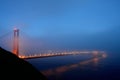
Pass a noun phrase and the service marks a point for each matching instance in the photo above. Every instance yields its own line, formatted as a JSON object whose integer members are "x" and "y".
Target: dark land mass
{"x": 14, "y": 68}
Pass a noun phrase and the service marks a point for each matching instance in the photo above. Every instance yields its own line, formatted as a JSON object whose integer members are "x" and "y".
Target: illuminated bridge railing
{"x": 95, "y": 53}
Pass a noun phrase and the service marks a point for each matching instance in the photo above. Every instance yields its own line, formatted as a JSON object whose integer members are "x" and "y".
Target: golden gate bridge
{"x": 16, "y": 50}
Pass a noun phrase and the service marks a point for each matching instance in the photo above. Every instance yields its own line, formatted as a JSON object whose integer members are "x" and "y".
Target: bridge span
{"x": 18, "y": 51}
{"x": 45, "y": 55}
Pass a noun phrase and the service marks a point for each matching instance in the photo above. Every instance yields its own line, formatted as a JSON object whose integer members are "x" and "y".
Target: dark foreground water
{"x": 79, "y": 67}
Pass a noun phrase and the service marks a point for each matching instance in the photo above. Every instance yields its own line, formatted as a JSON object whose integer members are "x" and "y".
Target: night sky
{"x": 83, "y": 24}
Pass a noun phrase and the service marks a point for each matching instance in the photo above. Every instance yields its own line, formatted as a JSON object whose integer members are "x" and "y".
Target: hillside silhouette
{"x": 14, "y": 68}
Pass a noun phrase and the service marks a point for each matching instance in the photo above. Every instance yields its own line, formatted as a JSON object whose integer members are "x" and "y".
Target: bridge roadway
{"x": 94, "y": 53}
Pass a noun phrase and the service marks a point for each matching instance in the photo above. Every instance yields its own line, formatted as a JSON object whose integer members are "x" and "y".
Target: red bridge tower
{"x": 16, "y": 42}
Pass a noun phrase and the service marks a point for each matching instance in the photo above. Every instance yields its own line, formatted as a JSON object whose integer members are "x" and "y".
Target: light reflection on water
{"x": 62, "y": 69}
{"x": 72, "y": 67}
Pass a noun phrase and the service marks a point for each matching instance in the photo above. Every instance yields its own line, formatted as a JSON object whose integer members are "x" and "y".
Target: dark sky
{"x": 68, "y": 23}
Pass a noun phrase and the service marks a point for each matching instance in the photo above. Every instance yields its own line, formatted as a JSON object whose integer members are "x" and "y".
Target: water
{"x": 79, "y": 67}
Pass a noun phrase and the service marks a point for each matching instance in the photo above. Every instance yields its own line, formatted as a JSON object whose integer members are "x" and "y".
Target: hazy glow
{"x": 71, "y": 24}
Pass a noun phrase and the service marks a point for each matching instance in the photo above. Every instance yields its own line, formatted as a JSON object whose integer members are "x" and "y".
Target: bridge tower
{"x": 16, "y": 42}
